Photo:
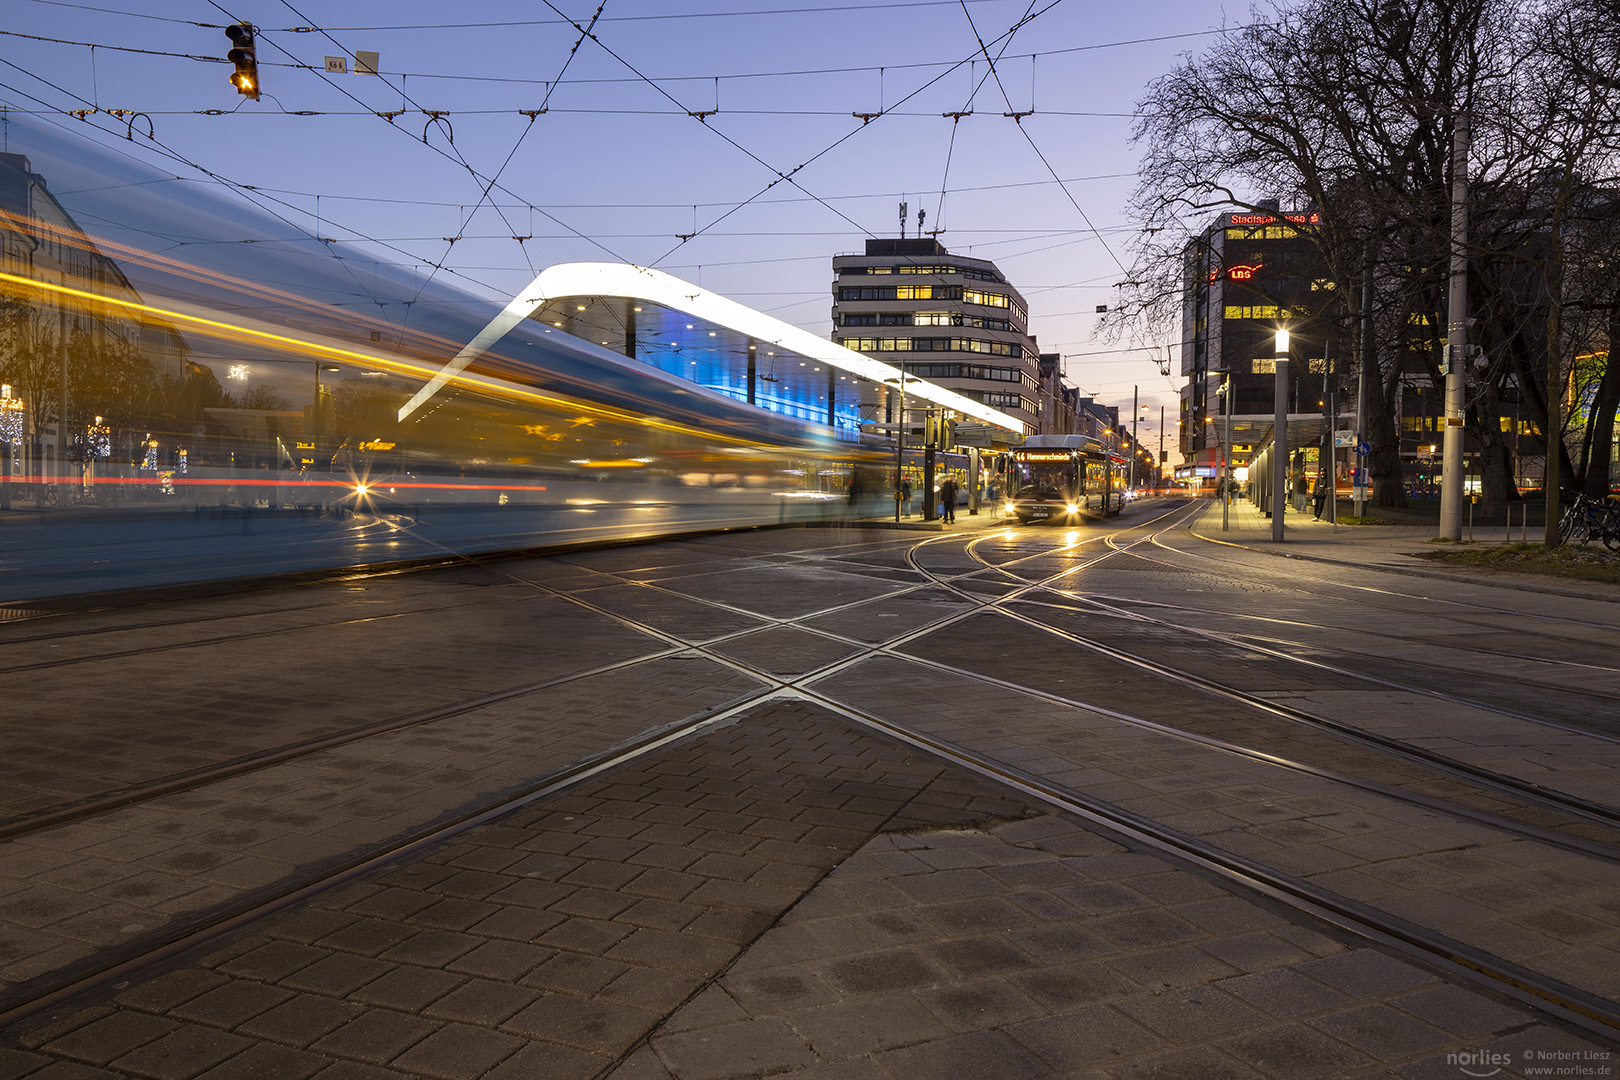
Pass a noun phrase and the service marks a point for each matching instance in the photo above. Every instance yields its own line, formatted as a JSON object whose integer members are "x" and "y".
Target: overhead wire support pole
{"x": 1279, "y": 441}
{"x": 1224, "y": 484}
{"x": 1453, "y": 358}
{"x": 1361, "y": 385}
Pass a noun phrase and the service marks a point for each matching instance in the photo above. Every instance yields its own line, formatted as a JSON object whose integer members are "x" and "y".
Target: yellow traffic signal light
{"x": 244, "y": 56}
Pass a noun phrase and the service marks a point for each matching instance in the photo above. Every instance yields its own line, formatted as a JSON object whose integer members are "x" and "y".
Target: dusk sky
{"x": 618, "y": 168}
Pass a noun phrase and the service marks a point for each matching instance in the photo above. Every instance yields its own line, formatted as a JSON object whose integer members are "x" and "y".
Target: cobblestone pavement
{"x": 790, "y": 891}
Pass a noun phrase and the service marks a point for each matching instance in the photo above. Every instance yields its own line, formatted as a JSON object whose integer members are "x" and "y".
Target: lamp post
{"x": 1226, "y": 452}
{"x": 1158, "y": 466}
{"x": 1279, "y": 440}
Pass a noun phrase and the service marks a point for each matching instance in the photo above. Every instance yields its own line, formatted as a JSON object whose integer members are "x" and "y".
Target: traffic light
{"x": 246, "y": 76}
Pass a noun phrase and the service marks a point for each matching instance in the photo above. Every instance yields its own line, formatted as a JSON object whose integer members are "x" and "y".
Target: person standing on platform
{"x": 1322, "y": 486}
{"x": 905, "y": 496}
{"x": 947, "y": 501}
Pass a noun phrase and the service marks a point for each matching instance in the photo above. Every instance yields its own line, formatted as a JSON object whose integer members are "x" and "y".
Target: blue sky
{"x": 618, "y": 168}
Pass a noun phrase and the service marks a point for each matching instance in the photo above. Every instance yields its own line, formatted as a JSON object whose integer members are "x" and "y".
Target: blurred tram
{"x": 1064, "y": 478}
{"x": 157, "y": 371}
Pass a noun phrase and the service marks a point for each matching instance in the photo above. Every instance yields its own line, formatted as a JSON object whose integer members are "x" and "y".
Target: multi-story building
{"x": 946, "y": 318}
{"x": 1248, "y": 276}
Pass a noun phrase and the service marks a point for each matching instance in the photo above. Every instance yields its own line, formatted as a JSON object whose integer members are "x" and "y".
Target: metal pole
{"x": 1333, "y": 454}
{"x": 1279, "y": 440}
{"x": 1135, "y": 446}
{"x": 1224, "y": 482}
{"x": 1160, "y": 463}
{"x": 1361, "y": 386}
{"x": 899, "y": 443}
{"x": 1451, "y": 468}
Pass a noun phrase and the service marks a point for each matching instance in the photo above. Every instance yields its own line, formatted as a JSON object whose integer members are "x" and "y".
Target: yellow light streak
{"x": 369, "y": 360}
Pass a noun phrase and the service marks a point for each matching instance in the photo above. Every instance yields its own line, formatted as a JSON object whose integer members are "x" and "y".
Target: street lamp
{"x": 1226, "y": 451}
{"x": 1279, "y": 440}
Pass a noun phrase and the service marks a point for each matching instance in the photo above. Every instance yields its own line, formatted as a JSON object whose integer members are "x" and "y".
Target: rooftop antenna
{"x": 902, "y": 221}
{"x": 922, "y": 216}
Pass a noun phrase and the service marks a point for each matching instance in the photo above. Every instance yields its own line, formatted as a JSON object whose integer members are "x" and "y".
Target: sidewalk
{"x": 1397, "y": 548}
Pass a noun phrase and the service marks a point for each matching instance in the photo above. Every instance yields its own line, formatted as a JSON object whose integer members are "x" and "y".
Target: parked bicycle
{"x": 1586, "y": 519}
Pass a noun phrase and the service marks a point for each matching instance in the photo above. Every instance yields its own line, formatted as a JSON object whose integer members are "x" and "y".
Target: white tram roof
{"x": 599, "y": 302}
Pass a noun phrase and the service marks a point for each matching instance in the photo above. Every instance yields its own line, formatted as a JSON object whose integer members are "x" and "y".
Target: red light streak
{"x": 372, "y": 486}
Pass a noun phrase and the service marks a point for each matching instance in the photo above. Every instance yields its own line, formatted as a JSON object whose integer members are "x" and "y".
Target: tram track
{"x": 30, "y": 997}
{"x": 1550, "y": 995}
{"x": 1606, "y": 816}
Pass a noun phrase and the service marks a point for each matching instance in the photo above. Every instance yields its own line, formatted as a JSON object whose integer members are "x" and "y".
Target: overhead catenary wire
{"x": 777, "y": 73}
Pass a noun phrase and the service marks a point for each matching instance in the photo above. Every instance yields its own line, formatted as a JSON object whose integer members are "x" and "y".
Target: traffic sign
{"x": 1363, "y": 449}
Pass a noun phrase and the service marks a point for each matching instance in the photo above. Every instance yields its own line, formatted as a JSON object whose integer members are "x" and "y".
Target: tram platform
{"x": 764, "y": 871}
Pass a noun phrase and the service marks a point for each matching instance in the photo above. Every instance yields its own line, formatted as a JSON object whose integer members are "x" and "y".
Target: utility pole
{"x": 1279, "y": 440}
{"x": 1135, "y": 446}
{"x": 1159, "y": 465}
{"x": 1452, "y": 362}
{"x": 1224, "y": 483}
{"x": 1361, "y": 385}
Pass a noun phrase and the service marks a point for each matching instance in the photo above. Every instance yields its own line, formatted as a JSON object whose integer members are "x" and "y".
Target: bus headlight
{"x": 1073, "y": 509}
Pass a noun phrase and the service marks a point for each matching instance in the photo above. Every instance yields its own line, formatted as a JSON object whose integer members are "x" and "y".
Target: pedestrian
{"x": 1321, "y": 492}
{"x": 947, "y": 501}
{"x": 905, "y": 496}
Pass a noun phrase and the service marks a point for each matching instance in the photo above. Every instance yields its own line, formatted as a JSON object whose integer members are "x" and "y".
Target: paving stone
{"x": 1191, "y": 1014}
{"x": 975, "y": 1054}
{"x": 552, "y": 1061}
{"x": 272, "y": 961}
{"x": 183, "y": 1053}
{"x": 1076, "y": 1039}
{"x": 599, "y": 1027}
{"x": 338, "y": 975}
{"x": 1293, "y": 1052}
{"x": 1459, "y": 1011}
{"x": 882, "y": 972}
{"x": 978, "y": 1006}
{"x": 1284, "y": 993}
{"x": 749, "y": 1048}
{"x": 301, "y": 1020}
{"x": 852, "y": 1029}
{"x": 110, "y": 1037}
{"x": 459, "y": 1052}
{"x": 232, "y": 1003}
{"x": 409, "y": 989}
{"x": 1200, "y": 1061}
{"x": 573, "y": 973}
{"x": 267, "y": 1061}
{"x": 376, "y": 1036}
{"x": 1380, "y": 1031}
{"x": 482, "y": 1001}
{"x": 1365, "y": 973}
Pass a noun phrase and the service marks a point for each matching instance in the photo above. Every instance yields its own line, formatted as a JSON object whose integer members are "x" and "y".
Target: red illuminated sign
{"x": 1243, "y": 273}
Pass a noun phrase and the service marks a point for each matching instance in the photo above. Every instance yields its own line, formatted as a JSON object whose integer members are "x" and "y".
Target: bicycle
{"x": 1586, "y": 519}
